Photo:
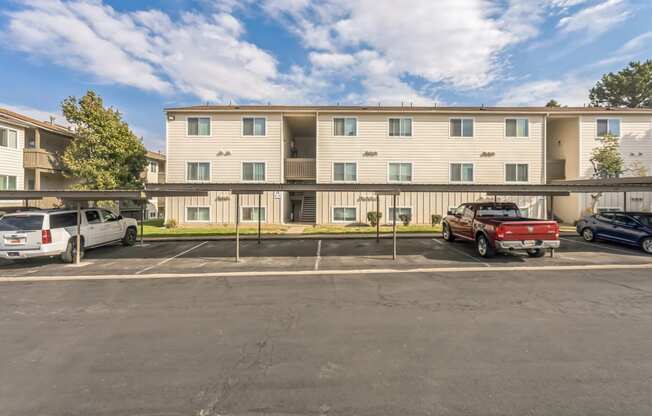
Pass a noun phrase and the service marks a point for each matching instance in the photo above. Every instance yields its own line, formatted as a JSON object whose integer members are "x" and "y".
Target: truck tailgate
{"x": 530, "y": 230}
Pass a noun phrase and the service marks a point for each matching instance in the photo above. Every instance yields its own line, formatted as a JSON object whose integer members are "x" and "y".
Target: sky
{"x": 142, "y": 56}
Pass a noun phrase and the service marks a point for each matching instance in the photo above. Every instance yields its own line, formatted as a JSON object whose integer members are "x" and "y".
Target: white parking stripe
{"x": 291, "y": 273}
{"x": 594, "y": 245}
{"x": 172, "y": 258}
{"x": 318, "y": 259}
{"x": 460, "y": 252}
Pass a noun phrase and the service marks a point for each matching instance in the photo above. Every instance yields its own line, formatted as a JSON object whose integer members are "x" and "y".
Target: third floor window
{"x": 400, "y": 127}
{"x": 254, "y": 126}
{"x": 461, "y": 127}
{"x": 345, "y": 126}
{"x": 517, "y": 127}
{"x": 8, "y": 138}
{"x": 199, "y": 126}
{"x": 608, "y": 126}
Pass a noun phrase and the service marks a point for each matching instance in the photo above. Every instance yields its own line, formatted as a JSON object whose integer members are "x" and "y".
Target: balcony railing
{"x": 300, "y": 169}
{"x": 556, "y": 169}
{"x": 40, "y": 159}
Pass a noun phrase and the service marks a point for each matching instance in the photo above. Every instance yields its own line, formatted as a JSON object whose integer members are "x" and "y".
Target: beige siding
{"x": 11, "y": 162}
{"x": 223, "y": 207}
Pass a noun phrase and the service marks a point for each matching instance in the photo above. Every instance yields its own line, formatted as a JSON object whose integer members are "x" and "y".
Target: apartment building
{"x": 154, "y": 172}
{"x": 30, "y": 153}
{"x": 380, "y": 145}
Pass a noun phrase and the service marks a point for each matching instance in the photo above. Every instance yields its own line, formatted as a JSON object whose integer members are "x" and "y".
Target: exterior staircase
{"x": 309, "y": 207}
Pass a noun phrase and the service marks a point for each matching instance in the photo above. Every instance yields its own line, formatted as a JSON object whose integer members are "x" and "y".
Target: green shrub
{"x": 374, "y": 217}
{"x": 172, "y": 223}
{"x": 435, "y": 219}
{"x": 158, "y": 222}
{"x": 405, "y": 219}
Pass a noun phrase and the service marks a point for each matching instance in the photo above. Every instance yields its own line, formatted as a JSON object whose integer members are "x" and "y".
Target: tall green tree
{"x": 553, "y": 103}
{"x": 105, "y": 154}
{"x": 631, "y": 87}
{"x": 607, "y": 163}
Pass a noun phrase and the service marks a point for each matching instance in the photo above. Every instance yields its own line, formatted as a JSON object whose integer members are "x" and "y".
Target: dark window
{"x": 93, "y": 217}
{"x": 605, "y": 216}
{"x": 624, "y": 220}
{"x": 21, "y": 223}
{"x": 68, "y": 219}
{"x": 468, "y": 212}
{"x": 108, "y": 216}
{"x": 644, "y": 219}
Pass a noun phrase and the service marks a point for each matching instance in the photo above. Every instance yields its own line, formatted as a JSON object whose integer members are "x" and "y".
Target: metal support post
{"x": 552, "y": 207}
{"x": 394, "y": 227}
{"x": 142, "y": 223}
{"x": 625, "y": 201}
{"x": 377, "y": 218}
{"x": 259, "y": 212}
{"x": 237, "y": 228}
{"x": 78, "y": 242}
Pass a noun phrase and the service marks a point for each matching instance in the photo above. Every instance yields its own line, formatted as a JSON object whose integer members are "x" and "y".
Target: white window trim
{"x": 399, "y": 118}
{"x": 210, "y": 171}
{"x": 529, "y": 172}
{"x": 151, "y": 162}
{"x": 450, "y": 135}
{"x": 263, "y": 220}
{"x": 461, "y": 181}
{"x": 390, "y": 220}
{"x": 357, "y": 126}
{"x": 254, "y": 117}
{"x": 17, "y": 148}
{"x": 210, "y": 214}
{"x": 333, "y": 220}
{"x": 514, "y": 137}
{"x": 357, "y": 178}
{"x": 620, "y": 122}
{"x": 11, "y": 176}
{"x": 403, "y": 162}
{"x": 264, "y": 162}
{"x": 203, "y": 136}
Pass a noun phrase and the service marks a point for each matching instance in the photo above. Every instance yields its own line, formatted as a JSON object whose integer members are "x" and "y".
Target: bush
{"x": 158, "y": 222}
{"x": 374, "y": 217}
{"x": 405, "y": 219}
{"x": 172, "y": 223}
{"x": 435, "y": 219}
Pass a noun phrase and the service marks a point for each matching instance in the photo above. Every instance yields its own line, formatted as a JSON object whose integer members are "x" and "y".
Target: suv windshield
{"x": 509, "y": 211}
{"x": 644, "y": 219}
{"x": 21, "y": 222}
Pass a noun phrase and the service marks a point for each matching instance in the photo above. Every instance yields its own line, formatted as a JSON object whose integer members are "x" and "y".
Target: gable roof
{"x": 26, "y": 121}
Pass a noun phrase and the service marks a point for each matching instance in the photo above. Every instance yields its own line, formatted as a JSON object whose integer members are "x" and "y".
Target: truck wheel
{"x": 446, "y": 233}
{"x": 130, "y": 237}
{"x": 484, "y": 247}
{"x": 536, "y": 252}
{"x": 70, "y": 254}
{"x": 647, "y": 245}
{"x": 587, "y": 234}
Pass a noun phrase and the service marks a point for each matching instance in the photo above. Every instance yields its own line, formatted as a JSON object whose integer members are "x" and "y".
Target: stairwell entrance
{"x": 304, "y": 207}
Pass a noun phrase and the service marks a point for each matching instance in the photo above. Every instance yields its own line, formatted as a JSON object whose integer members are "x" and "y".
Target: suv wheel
{"x": 484, "y": 247}
{"x": 587, "y": 234}
{"x": 130, "y": 237}
{"x": 536, "y": 252}
{"x": 70, "y": 254}
{"x": 446, "y": 232}
{"x": 647, "y": 245}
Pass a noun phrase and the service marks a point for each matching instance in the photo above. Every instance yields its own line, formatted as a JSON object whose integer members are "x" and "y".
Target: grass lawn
{"x": 362, "y": 229}
{"x": 153, "y": 231}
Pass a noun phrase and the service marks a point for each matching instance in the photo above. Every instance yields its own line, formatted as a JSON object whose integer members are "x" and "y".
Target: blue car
{"x": 631, "y": 228}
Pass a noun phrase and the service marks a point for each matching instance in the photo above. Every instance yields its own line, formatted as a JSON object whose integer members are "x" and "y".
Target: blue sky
{"x": 143, "y": 56}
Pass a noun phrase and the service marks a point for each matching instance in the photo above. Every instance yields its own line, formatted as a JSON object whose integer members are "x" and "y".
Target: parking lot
{"x": 181, "y": 258}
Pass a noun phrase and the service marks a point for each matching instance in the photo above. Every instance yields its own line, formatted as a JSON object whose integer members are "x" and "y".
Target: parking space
{"x": 313, "y": 255}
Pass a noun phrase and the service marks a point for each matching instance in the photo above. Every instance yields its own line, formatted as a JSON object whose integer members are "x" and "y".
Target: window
{"x": 68, "y": 219}
{"x": 400, "y": 127}
{"x": 345, "y": 172}
{"x": 344, "y": 214}
{"x": 108, "y": 216}
{"x": 153, "y": 166}
{"x": 93, "y": 217}
{"x": 199, "y": 126}
{"x": 253, "y": 171}
{"x": 517, "y": 127}
{"x": 461, "y": 127}
{"x": 198, "y": 214}
{"x": 254, "y": 126}
{"x": 608, "y": 126}
{"x": 7, "y": 183}
{"x": 198, "y": 171}
{"x": 516, "y": 172}
{"x": 625, "y": 220}
{"x": 251, "y": 214}
{"x": 21, "y": 222}
{"x": 8, "y": 138}
{"x": 399, "y": 212}
{"x": 345, "y": 126}
{"x": 461, "y": 172}
{"x": 400, "y": 172}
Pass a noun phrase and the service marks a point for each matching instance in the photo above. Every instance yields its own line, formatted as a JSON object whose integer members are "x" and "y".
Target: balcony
{"x": 161, "y": 177}
{"x": 300, "y": 169}
{"x": 556, "y": 169}
{"x": 40, "y": 159}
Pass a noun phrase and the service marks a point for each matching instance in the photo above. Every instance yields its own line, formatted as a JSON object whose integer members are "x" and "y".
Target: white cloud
{"x": 570, "y": 91}
{"x": 597, "y": 19}
{"x": 329, "y": 60}
{"x": 37, "y": 113}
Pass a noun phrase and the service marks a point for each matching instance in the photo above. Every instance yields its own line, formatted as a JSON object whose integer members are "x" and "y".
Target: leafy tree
{"x": 105, "y": 153}
{"x": 631, "y": 87}
{"x": 553, "y": 103}
{"x": 607, "y": 163}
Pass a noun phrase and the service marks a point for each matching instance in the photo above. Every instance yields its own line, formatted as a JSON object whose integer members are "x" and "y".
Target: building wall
{"x": 563, "y": 142}
{"x": 11, "y": 162}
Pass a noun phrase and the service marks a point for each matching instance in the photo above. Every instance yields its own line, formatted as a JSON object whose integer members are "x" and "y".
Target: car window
{"x": 605, "y": 216}
{"x": 21, "y": 222}
{"x": 108, "y": 216}
{"x": 644, "y": 219}
{"x": 68, "y": 219}
{"x": 93, "y": 217}
{"x": 468, "y": 212}
{"x": 624, "y": 220}
{"x": 460, "y": 210}
{"x": 497, "y": 210}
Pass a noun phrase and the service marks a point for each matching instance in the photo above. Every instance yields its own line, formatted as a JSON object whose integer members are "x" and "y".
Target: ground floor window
{"x": 399, "y": 211}
{"x": 344, "y": 214}
{"x": 250, "y": 214}
{"x": 7, "y": 183}
{"x": 198, "y": 214}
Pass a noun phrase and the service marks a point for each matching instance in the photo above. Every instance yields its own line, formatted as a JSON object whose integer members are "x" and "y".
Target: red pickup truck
{"x": 495, "y": 226}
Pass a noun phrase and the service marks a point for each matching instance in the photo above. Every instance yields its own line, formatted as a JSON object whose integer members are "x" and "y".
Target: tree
{"x": 105, "y": 153}
{"x": 631, "y": 87}
{"x": 553, "y": 103}
{"x": 607, "y": 163}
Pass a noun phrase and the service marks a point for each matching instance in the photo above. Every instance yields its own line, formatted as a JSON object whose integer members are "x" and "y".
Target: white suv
{"x": 53, "y": 232}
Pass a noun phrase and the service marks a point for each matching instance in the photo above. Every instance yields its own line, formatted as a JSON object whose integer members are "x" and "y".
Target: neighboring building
{"x": 154, "y": 172}
{"x": 30, "y": 156}
{"x": 374, "y": 145}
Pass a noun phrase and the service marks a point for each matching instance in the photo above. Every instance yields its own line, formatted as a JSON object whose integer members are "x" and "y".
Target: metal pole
{"x": 259, "y": 211}
{"x": 552, "y": 207}
{"x": 78, "y": 250}
{"x": 377, "y": 218}
{"x": 142, "y": 223}
{"x": 237, "y": 228}
{"x": 625, "y": 201}
{"x": 394, "y": 227}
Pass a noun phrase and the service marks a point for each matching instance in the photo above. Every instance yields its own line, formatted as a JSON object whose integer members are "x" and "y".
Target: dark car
{"x": 631, "y": 228}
